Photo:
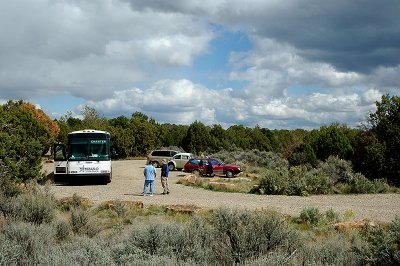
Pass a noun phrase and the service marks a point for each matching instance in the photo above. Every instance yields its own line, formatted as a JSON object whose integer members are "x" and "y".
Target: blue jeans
{"x": 146, "y": 184}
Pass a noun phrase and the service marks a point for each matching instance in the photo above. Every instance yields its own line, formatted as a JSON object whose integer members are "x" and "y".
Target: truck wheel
{"x": 171, "y": 167}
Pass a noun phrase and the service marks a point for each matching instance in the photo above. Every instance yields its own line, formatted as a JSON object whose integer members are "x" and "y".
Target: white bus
{"x": 86, "y": 157}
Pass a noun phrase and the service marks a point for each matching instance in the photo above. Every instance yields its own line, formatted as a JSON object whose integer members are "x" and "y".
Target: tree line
{"x": 373, "y": 149}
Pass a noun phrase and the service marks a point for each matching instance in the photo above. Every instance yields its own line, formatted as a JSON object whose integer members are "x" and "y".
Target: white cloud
{"x": 371, "y": 96}
{"x": 92, "y": 47}
{"x": 122, "y": 56}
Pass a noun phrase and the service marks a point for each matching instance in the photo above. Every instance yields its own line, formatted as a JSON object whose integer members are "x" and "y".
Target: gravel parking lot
{"x": 127, "y": 184}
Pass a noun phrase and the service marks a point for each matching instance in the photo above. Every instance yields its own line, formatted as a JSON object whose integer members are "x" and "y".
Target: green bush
{"x": 294, "y": 181}
{"x": 332, "y": 216}
{"x": 383, "y": 245}
{"x": 318, "y": 183}
{"x": 311, "y": 215}
{"x": 274, "y": 182}
{"x": 254, "y": 157}
{"x": 243, "y": 235}
{"x": 338, "y": 170}
{"x": 360, "y": 184}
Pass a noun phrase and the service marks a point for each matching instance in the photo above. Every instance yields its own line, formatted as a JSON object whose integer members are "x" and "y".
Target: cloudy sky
{"x": 279, "y": 64}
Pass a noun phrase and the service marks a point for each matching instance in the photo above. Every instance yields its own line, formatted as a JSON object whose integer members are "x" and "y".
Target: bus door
{"x": 60, "y": 162}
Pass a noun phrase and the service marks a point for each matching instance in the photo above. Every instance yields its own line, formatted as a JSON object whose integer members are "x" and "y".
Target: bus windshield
{"x": 88, "y": 149}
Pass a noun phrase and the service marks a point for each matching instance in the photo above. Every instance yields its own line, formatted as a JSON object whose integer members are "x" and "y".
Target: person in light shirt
{"x": 149, "y": 173}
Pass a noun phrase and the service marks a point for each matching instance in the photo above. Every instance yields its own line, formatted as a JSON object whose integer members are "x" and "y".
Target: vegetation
{"x": 125, "y": 233}
{"x": 275, "y": 176}
{"x": 373, "y": 150}
{"x": 331, "y": 159}
{"x": 25, "y": 135}
{"x": 37, "y": 229}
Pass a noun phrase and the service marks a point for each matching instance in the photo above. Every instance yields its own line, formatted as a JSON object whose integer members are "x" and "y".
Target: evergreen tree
{"x": 22, "y": 141}
{"x": 332, "y": 141}
{"x": 198, "y": 139}
{"x": 386, "y": 125}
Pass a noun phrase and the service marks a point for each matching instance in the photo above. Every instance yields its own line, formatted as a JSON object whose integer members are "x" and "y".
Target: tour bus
{"x": 85, "y": 157}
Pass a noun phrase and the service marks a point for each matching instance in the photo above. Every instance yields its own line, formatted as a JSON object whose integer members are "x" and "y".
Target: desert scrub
{"x": 253, "y": 157}
{"x": 314, "y": 217}
{"x": 333, "y": 250}
{"x": 23, "y": 243}
{"x": 297, "y": 180}
{"x": 237, "y": 184}
{"x": 33, "y": 206}
{"x": 76, "y": 201}
{"x": 243, "y": 235}
{"x": 383, "y": 245}
{"x": 332, "y": 176}
{"x": 113, "y": 209}
{"x": 83, "y": 223}
{"x": 62, "y": 229}
{"x": 311, "y": 216}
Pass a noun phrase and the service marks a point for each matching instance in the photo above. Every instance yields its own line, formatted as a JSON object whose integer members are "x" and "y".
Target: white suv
{"x": 158, "y": 155}
{"x": 178, "y": 161}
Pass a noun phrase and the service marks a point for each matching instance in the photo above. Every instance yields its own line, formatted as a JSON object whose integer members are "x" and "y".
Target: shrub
{"x": 82, "y": 223}
{"x": 33, "y": 206}
{"x": 112, "y": 209}
{"x": 275, "y": 259}
{"x": 311, "y": 215}
{"x": 274, "y": 182}
{"x": 338, "y": 170}
{"x": 254, "y": 157}
{"x": 383, "y": 245}
{"x": 243, "y": 235}
{"x": 63, "y": 230}
{"x": 381, "y": 186}
{"x": 332, "y": 216}
{"x": 79, "y": 220}
{"x": 297, "y": 181}
{"x": 318, "y": 183}
{"x": 8, "y": 187}
{"x": 336, "y": 250}
{"x": 22, "y": 243}
{"x": 360, "y": 184}
{"x": 82, "y": 251}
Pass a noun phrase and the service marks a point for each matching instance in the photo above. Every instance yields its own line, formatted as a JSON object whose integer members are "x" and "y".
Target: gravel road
{"x": 127, "y": 184}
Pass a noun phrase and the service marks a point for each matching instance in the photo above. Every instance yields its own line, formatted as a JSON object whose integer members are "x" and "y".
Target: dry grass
{"x": 240, "y": 184}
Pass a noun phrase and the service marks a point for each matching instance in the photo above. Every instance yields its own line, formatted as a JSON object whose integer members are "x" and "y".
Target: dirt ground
{"x": 127, "y": 184}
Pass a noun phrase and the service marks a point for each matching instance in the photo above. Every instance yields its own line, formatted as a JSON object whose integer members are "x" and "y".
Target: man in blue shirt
{"x": 149, "y": 177}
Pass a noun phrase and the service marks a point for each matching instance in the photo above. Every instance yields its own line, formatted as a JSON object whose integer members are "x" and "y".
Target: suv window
{"x": 164, "y": 153}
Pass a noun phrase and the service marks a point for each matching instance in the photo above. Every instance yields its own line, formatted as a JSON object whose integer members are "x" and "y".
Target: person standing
{"x": 164, "y": 176}
{"x": 209, "y": 169}
{"x": 149, "y": 177}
